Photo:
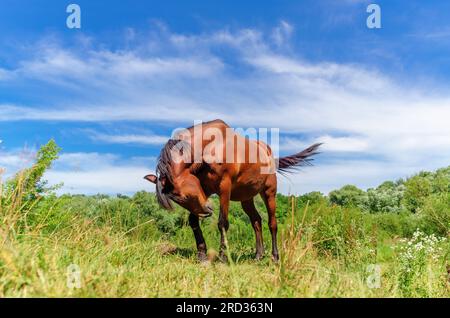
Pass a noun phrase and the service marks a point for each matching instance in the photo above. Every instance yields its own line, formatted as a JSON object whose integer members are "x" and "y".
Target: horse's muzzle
{"x": 207, "y": 210}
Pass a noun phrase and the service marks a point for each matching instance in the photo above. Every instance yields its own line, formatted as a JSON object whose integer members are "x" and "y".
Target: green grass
{"x": 130, "y": 247}
{"x": 121, "y": 253}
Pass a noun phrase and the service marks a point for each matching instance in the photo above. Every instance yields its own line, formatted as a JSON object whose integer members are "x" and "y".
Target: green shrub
{"x": 441, "y": 181}
{"x": 348, "y": 196}
{"x": 166, "y": 221}
{"x": 386, "y": 198}
{"x": 312, "y": 198}
{"x": 126, "y": 246}
{"x": 417, "y": 189}
{"x": 401, "y": 224}
{"x": 436, "y": 214}
{"x": 415, "y": 255}
{"x": 30, "y": 180}
{"x": 339, "y": 231}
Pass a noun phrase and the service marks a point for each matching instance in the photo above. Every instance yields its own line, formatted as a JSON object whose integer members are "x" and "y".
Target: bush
{"x": 417, "y": 189}
{"x": 436, "y": 214}
{"x": 441, "y": 181}
{"x": 386, "y": 198}
{"x": 166, "y": 221}
{"x": 117, "y": 241}
{"x": 313, "y": 198}
{"x": 24, "y": 191}
{"x": 348, "y": 196}
{"x": 339, "y": 231}
{"x": 396, "y": 224}
{"x": 415, "y": 255}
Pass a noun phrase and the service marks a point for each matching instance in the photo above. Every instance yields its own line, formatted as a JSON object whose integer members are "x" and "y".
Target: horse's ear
{"x": 163, "y": 181}
{"x": 151, "y": 177}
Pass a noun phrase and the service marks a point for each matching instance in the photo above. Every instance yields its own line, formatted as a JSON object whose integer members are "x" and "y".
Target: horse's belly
{"x": 243, "y": 194}
{"x": 246, "y": 188}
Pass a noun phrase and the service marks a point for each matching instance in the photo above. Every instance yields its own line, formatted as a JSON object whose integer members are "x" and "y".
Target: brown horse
{"x": 203, "y": 160}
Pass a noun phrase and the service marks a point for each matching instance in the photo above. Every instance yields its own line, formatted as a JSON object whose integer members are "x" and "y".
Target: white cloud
{"x": 11, "y": 162}
{"x": 88, "y": 173}
{"x": 353, "y": 109}
{"x": 148, "y": 139}
{"x": 330, "y": 144}
{"x": 282, "y": 33}
{"x": 330, "y": 176}
{"x": 435, "y": 35}
{"x": 14, "y": 160}
{"x": 4, "y": 74}
{"x": 108, "y": 180}
{"x": 112, "y": 66}
{"x": 93, "y": 173}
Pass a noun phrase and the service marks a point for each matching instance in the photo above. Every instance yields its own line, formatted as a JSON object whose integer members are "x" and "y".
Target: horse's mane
{"x": 164, "y": 171}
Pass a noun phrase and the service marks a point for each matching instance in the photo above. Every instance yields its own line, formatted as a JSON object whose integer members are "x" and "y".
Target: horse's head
{"x": 185, "y": 190}
{"x": 176, "y": 182}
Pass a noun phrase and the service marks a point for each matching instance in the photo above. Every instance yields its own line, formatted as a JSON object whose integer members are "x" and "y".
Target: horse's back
{"x": 249, "y": 166}
{"x": 216, "y": 123}
{"x": 198, "y": 134}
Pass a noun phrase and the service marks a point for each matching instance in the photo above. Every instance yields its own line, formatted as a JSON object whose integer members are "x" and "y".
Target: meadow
{"x": 390, "y": 241}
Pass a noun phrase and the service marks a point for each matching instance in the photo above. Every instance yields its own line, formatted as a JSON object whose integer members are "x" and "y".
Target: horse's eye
{"x": 168, "y": 188}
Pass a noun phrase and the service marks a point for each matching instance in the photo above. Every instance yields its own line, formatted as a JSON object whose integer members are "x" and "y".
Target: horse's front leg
{"x": 225, "y": 193}
{"x": 269, "y": 197}
{"x": 199, "y": 239}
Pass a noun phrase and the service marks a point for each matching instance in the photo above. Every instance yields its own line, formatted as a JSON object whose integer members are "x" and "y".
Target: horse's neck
{"x": 177, "y": 168}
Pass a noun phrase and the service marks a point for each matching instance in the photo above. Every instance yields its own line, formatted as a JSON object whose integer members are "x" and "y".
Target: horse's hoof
{"x": 275, "y": 258}
{"x": 223, "y": 258}
{"x": 259, "y": 257}
{"x": 202, "y": 258}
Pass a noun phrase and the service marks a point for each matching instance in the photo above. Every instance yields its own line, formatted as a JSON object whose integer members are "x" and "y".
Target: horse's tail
{"x": 291, "y": 163}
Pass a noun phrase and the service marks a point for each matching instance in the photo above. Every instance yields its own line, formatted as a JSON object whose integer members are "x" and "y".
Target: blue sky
{"x": 111, "y": 92}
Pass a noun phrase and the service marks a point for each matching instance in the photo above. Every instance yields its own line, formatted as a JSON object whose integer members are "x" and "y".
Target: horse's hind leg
{"x": 199, "y": 239}
{"x": 269, "y": 197}
{"x": 225, "y": 192}
{"x": 255, "y": 219}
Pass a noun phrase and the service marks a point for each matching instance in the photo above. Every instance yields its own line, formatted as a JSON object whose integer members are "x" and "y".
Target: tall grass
{"x": 128, "y": 247}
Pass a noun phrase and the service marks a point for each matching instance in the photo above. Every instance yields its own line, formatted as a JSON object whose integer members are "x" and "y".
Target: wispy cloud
{"x": 86, "y": 172}
{"x": 93, "y": 173}
{"x": 330, "y": 144}
{"x": 259, "y": 83}
{"x": 149, "y": 139}
{"x": 282, "y": 33}
{"x": 435, "y": 34}
{"x": 120, "y": 66}
{"x": 15, "y": 160}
